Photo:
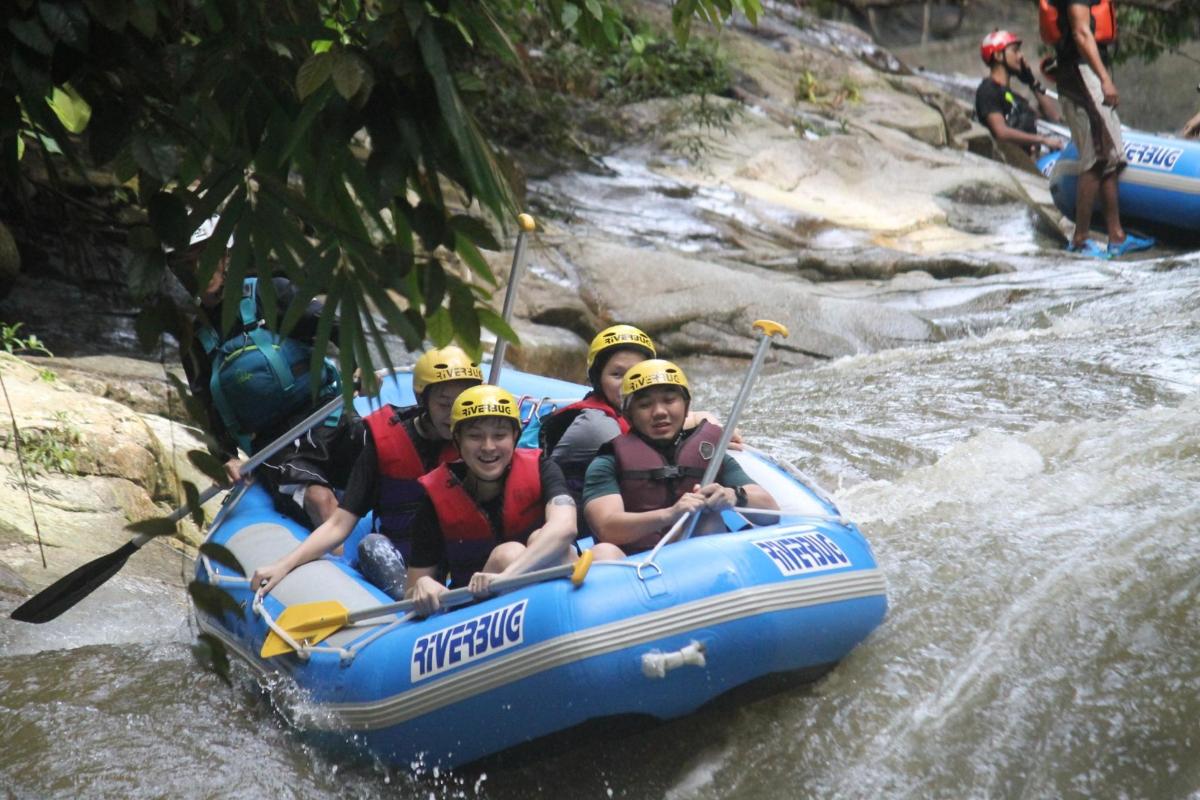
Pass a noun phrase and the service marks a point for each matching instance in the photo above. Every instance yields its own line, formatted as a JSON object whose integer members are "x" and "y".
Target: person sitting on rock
{"x": 1004, "y": 112}
{"x": 402, "y": 445}
{"x": 499, "y": 512}
{"x": 572, "y": 435}
{"x": 254, "y": 386}
{"x": 643, "y": 481}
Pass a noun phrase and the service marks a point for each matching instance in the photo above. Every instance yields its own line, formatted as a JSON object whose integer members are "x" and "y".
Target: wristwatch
{"x": 739, "y": 494}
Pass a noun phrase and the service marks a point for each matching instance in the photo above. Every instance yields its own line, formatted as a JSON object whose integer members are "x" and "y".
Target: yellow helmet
{"x": 619, "y": 336}
{"x": 440, "y": 365}
{"x": 653, "y": 372}
{"x": 484, "y": 401}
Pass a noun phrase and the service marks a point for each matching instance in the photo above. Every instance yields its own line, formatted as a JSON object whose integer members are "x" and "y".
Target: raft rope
{"x": 304, "y": 650}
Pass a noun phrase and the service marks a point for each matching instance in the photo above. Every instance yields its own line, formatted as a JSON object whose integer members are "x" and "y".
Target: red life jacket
{"x": 1104, "y": 22}
{"x": 648, "y": 482}
{"x": 466, "y": 530}
{"x": 552, "y": 430}
{"x": 400, "y": 466}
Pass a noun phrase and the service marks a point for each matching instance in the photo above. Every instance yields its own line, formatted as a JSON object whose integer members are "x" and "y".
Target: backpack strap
{"x": 224, "y": 408}
{"x": 263, "y": 339}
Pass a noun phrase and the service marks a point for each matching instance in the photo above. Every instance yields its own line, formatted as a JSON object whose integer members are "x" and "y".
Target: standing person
{"x": 1089, "y": 100}
{"x": 1004, "y": 112}
{"x": 644, "y": 480}
{"x": 255, "y": 385}
{"x": 499, "y": 512}
{"x": 402, "y": 444}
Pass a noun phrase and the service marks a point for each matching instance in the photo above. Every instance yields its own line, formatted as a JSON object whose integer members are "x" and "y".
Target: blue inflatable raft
{"x": 648, "y": 639}
{"x": 1158, "y": 191}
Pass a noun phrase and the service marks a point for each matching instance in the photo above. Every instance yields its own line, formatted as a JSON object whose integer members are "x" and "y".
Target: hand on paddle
{"x": 481, "y": 583}
{"x": 427, "y": 595}
{"x": 716, "y": 497}
{"x": 233, "y": 470}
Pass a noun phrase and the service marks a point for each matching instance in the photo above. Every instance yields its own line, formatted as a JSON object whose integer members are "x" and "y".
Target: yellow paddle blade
{"x": 307, "y": 622}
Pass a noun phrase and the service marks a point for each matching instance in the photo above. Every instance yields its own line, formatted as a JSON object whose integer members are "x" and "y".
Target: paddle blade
{"x": 308, "y": 622}
{"x": 73, "y": 587}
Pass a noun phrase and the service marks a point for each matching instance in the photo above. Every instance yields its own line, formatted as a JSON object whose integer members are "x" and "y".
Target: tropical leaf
{"x": 222, "y": 555}
{"x": 211, "y": 654}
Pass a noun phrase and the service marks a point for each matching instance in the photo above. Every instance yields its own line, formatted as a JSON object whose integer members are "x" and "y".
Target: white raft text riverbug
{"x": 468, "y": 641}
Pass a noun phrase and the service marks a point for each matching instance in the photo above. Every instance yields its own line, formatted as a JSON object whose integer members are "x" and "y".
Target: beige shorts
{"x": 1095, "y": 127}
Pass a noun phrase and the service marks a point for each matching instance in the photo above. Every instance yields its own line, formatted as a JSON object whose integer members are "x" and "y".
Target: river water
{"x": 1030, "y": 484}
{"x": 1031, "y": 487}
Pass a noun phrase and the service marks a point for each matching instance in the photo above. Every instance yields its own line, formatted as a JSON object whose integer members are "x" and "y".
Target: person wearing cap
{"x": 498, "y": 512}
{"x": 1089, "y": 100}
{"x": 402, "y": 444}
{"x": 572, "y": 435}
{"x": 1004, "y": 112}
{"x": 255, "y": 385}
{"x": 644, "y": 480}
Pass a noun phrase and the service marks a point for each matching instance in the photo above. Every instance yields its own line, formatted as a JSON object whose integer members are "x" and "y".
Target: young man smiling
{"x": 644, "y": 480}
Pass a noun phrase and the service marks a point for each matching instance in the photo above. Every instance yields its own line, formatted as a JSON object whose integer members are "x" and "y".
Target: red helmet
{"x": 994, "y": 43}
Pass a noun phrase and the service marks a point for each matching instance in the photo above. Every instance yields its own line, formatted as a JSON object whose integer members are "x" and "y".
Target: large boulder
{"x": 693, "y": 305}
{"x": 93, "y": 466}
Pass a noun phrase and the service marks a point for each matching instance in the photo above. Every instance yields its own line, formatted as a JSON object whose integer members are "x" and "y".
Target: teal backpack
{"x": 260, "y": 379}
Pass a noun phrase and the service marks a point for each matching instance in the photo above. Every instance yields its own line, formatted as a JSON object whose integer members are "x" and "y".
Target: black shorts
{"x": 324, "y": 457}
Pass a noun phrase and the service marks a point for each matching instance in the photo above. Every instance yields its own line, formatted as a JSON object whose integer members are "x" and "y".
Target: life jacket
{"x": 466, "y": 531}
{"x": 1054, "y": 28}
{"x": 400, "y": 465}
{"x": 649, "y": 482}
{"x": 553, "y": 427}
{"x": 260, "y": 379}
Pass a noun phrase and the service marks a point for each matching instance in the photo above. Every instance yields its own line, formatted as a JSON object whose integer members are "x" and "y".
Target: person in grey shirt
{"x": 572, "y": 435}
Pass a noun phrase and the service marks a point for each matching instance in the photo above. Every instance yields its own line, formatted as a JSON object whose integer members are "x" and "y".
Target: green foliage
{"x": 53, "y": 449}
{"x": 332, "y": 137}
{"x": 699, "y": 118}
{"x": 13, "y": 342}
{"x": 564, "y": 88}
{"x": 1147, "y": 33}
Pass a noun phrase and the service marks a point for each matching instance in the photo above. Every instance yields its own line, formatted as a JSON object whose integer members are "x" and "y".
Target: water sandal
{"x": 1132, "y": 244}
{"x": 1089, "y": 248}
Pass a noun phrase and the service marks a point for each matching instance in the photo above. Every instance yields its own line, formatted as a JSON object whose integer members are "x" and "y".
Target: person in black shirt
{"x": 1004, "y": 112}
{"x": 499, "y": 512}
{"x": 402, "y": 444}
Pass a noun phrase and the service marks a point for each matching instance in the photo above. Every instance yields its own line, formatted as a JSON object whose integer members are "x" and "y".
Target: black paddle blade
{"x": 70, "y": 589}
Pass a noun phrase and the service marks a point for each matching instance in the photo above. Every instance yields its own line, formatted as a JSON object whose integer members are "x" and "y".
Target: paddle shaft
{"x": 714, "y": 465}
{"x": 255, "y": 461}
{"x": 510, "y": 297}
{"x": 457, "y": 597}
{"x": 83, "y": 580}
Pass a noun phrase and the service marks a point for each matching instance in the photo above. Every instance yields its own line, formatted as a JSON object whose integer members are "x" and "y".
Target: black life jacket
{"x": 649, "y": 481}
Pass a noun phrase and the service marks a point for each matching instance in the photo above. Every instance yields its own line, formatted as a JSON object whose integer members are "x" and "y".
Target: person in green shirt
{"x": 641, "y": 482}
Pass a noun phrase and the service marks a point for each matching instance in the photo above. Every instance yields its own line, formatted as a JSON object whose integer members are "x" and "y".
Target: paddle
{"x": 510, "y": 295}
{"x": 768, "y": 330}
{"x": 73, "y": 587}
{"x": 314, "y": 622}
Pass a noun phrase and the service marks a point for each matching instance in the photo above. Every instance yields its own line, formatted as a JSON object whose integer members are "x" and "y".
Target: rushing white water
{"x": 1031, "y": 487}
